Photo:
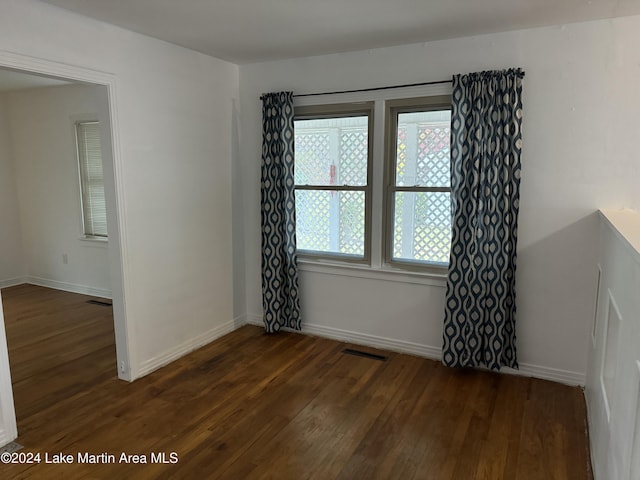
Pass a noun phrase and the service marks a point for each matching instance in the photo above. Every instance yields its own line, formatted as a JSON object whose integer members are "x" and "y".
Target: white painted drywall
{"x": 12, "y": 268}
{"x": 581, "y": 121}
{"x": 46, "y": 169}
{"x": 173, "y": 119}
{"x": 614, "y": 419}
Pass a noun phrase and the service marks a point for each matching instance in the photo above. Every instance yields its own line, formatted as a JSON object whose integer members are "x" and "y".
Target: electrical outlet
{"x": 122, "y": 367}
{"x": 65, "y": 259}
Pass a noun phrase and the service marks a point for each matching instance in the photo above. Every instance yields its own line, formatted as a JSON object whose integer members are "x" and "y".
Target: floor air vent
{"x": 360, "y": 353}
{"x": 100, "y": 302}
{"x": 11, "y": 447}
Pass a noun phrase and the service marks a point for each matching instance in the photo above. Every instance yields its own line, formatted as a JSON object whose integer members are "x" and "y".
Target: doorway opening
{"x": 77, "y": 266}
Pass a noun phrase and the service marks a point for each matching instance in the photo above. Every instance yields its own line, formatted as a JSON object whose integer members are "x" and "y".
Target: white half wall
{"x": 581, "y": 105}
{"x": 172, "y": 117}
{"x": 613, "y": 381}
{"x": 12, "y": 266}
{"x": 46, "y": 168}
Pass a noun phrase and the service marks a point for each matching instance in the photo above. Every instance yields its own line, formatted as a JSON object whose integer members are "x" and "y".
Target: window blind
{"x": 94, "y": 211}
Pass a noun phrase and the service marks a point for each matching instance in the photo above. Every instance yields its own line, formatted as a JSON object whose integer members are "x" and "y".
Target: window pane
{"x": 422, "y": 156}
{"x": 422, "y": 226}
{"x": 92, "y": 179}
{"x": 330, "y": 221}
{"x": 331, "y": 151}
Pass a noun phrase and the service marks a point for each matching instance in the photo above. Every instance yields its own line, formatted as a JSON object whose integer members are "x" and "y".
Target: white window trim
{"x": 337, "y": 111}
{"x": 377, "y": 268}
{"x": 99, "y": 241}
{"x": 392, "y": 109}
{"x": 385, "y": 273}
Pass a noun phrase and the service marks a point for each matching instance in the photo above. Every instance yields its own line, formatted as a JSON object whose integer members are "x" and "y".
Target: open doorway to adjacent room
{"x": 60, "y": 256}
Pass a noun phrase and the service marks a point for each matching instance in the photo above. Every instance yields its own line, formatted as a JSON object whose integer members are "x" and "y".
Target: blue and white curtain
{"x": 278, "y": 215}
{"x": 486, "y": 140}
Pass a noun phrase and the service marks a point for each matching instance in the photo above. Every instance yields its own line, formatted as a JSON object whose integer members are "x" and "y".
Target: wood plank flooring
{"x": 286, "y": 406}
{"x": 59, "y": 345}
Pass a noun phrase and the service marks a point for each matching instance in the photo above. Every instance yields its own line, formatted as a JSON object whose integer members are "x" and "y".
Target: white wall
{"x": 46, "y": 170}
{"x": 12, "y": 268}
{"x": 581, "y": 120}
{"x": 613, "y": 382}
{"x": 172, "y": 122}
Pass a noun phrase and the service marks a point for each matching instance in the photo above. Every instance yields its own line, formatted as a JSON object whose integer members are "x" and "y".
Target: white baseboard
{"x": 426, "y": 351}
{"x": 240, "y": 321}
{"x": 357, "y": 338}
{"x": 188, "y": 346}
{"x": 12, "y": 282}
{"x": 68, "y": 287}
{"x": 546, "y": 373}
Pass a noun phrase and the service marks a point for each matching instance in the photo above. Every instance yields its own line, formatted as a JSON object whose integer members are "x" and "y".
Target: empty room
{"x": 329, "y": 240}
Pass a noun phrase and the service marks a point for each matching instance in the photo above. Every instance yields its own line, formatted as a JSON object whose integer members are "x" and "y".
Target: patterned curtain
{"x": 480, "y": 308}
{"x": 278, "y": 215}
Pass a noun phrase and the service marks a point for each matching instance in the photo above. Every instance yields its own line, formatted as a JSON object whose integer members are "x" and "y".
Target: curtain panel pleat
{"x": 486, "y": 141}
{"x": 280, "y": 300}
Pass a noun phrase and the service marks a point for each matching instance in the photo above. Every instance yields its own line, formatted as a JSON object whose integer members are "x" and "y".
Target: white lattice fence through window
{"x": 353, "y": 157}
{"x": 433, "y": 156}
{"x": 331, "y": 153}
{"x": 422, "y": 219}
{"x": 312, "y": 157}
{"x": 352, "y": 223}
{"x": 432, "y": 227}
{"x": 312, "y": 220}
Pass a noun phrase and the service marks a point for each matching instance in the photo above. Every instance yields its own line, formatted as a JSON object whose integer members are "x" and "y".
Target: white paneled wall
{"x": 613, "y": 378}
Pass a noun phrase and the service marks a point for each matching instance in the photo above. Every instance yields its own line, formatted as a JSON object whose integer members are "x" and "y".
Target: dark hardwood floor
{"x": 284, "y": 406}
{"x": 59, "y": 345}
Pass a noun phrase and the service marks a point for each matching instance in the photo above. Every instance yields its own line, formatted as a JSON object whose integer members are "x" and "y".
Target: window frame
{"x": 394, "y": 107}
{"x": 81, "y": 120}
{"x": 343, "y": 110}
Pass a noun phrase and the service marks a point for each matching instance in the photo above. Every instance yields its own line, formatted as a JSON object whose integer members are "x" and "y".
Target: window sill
{"x": 387, "y": 274}
{"x": 98, "y": 241}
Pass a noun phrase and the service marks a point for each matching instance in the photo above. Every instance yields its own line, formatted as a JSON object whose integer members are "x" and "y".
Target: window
{"x": 333, "y": 180}
{"x": 419, "y": 181}
{"x": 336, "y": 158}
{"x": 94, "y": 212}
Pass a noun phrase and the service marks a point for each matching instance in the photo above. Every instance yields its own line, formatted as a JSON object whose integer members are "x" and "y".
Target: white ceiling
{"x": 247, "y": 31}
{"x": 11, "y": 81}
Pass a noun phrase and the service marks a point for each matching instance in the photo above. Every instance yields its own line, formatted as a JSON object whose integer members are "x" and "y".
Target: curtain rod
{"x": 389, "y": 87}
